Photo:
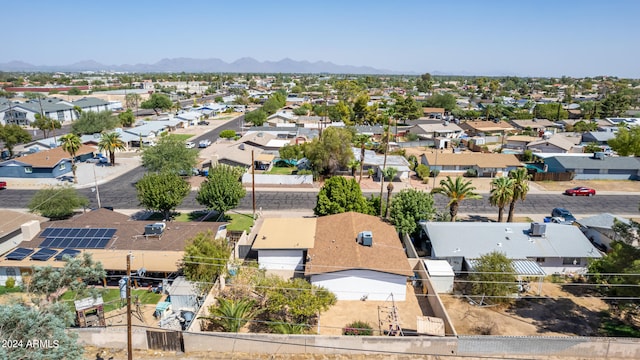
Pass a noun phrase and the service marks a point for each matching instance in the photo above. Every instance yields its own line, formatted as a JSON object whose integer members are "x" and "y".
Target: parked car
{"x": 98, "y": 159}
{"x": 190, "y": 145}
{"x": 204, "y": 143}
{"x": 203, "y": 122}
{"x": 3, "y": 185}
{"x": 580, "y": 190}
{"x": 563, "y": 213}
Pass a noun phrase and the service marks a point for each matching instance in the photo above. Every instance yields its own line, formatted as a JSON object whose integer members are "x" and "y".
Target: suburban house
{"x": 554, "y": 144}
{"x": 595, "y": 167}
{"x": 91, "y": 104}
{"x": 599, "y": 228}
{"x": 43, "y": 164}
{"x": 265, "y": 141}
{"x": 358, "y": 257}
{"x": 211, "y": 109}
{"x": 552, "y": 248}
{"x": 486, "y": 127}
{"x": 15, "y": 228}
{"x": 487, "y": 165}
{"x": 376, "y": 162}
{"x": 282, "y": 244}
{"x": 436, "y": 129}
{"x": 149, "y": 131}
{"x": 109, "y": 236}
{"x": 281, "y": 118}
{"x": 598, "y": 137}
{"x": 236, "y": 153}
{"x": 433, "y": 113}
{"x": 519, "y": 142}
{"x": 537, "y": 125}
{"x": 25, "y": 113}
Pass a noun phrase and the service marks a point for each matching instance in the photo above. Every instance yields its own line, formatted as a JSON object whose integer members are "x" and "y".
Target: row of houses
{"x": 24, "y": 113}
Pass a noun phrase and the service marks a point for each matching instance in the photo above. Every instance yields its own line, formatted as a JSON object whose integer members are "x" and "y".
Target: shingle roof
{"x": 336, "y": 248}
{"x": 583, "y": 162}
{"x": 89, "y": 102}
{"x": 602, "y": 221}
{"x": 49, "y": 158}
{"x": 480, "y": 160}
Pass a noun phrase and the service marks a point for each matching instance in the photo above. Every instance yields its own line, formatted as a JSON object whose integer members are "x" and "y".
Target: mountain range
{"x": 213, "y": 65}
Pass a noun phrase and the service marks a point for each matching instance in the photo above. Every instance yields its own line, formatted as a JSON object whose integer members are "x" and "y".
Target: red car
{"x": 3, "y": 184}
{"x": 580, "y": 190}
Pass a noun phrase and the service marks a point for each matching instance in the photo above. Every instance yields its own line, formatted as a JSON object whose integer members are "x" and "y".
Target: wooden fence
{"x": 165, "y": 340}
{"x": 552, "y": 176}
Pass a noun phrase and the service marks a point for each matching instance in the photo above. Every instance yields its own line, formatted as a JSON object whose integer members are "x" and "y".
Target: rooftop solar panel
{"x": 19, "y": 254}
{"x": 83, "y": 238}
{"x": 43, "y": 254}
{"x": 67, "y": 252}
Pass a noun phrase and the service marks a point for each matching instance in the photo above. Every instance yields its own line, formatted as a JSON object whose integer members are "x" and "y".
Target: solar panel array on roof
{"x": 67, "y": 252}
{"x": 43, "y": 254}
{"x": 82, "y": 238}
{"x": 19, "y": 254}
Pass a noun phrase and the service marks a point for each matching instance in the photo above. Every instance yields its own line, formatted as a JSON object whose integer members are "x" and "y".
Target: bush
{"x": 423, "y": 171}
{"x": 10, "y": 283}
{"x": 411, "y": 137}
{"x": 305, "y": 172}
{"x": 359, "y": 328}
{"x": 227, "y": 134}
{"x": 527, "y": 155}
{"x": 471, "y": 173}
{"x": 434, "y": 173}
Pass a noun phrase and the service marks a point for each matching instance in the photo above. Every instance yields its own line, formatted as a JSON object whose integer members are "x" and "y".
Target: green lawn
{"x": 237, "y": 221}
{"x": 282, "y": 170}
{"x": 5, "y": 290}
{"x": 183, "y": 137}
{"x": 240, "y": 222}
{"x": 111, "y": 298}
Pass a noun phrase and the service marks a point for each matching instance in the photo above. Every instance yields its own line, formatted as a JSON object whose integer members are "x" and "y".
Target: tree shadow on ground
{"x": 558, "y": 315}
{"x": 477, "y": 218}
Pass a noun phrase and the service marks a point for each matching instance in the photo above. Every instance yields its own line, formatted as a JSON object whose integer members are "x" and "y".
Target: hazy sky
{"x": 480, "y": 37}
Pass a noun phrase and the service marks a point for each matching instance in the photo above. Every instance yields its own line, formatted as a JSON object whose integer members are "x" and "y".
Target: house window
{"x": 540, "y": 260}
{"x": 570, "y": 261}
{"x": 28, "y": 170}
{"x": 63, "y": 166}
{"x": 11, "y": 271}
{"x": 60, "y": 114}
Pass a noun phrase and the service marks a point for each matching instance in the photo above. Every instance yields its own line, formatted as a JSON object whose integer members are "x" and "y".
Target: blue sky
{"x": 524, "y": 38}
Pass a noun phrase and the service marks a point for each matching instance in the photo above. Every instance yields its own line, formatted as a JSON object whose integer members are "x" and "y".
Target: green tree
{"x": 408, "y": 109}
{"x": 91, "y": 122}
{"x": 46, "y": 124}
{"x": 227, "y": 134}
{"x": 341, "y": 112}
{"x": 157, "y": 102}
{"x": 591, "y": 147}
{"x": 13, "y": 135}
{"x": 582, "y": 126}
{"x": 626, "y": 141}
{"x": 446, "y": 101}
{"x": 361, "y": 109}
{"x": 57, "y": 202}
{"x": 231, "y": 315}
{"x": 71, "y": 143}
{"x": 295, "y": 300}
{"x": 256, "y": 117}
{"x": 132, "y": 100}
{"x": 169, "y": 155}
{"x": 456, "y": 191}
{"x": 331, "y": 151}
{"x": 339, "y": 195}
{"x": 74, "y": 91}
{"x": 424, "y": 83}
{"x": 75, "y": 275}
{"x": 162, "y": 192}
{"x": 494, "y": 276}
{"x": 390, "y": 173}
{"x": 360, "y": 141}
{"x": 410, "y": 206}
{"x": 615, "y": 104}
{"x": 501, "y": 194}
{"x": 291, "y": 152}
{"x": 222, "y": 190}
{"x": 111, "y": 142}
{"x": 127, "y": 118}
{"x": 550, "y": 111}
{"x": 520, "y": 186}
{"x": 205, "y": 258}
{"x": 23, "y": 324}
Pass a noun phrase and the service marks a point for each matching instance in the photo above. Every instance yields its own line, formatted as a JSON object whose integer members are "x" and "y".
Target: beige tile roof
{"x": 336, "y": 248}
{"x": 525, "y": 138}
{"x": 12, "y": 220}
{"x": 486, "y": 126}
{"x": 49, "y": 158}
{"x": 481, "y": 160}
{"x": 285, "y": 233}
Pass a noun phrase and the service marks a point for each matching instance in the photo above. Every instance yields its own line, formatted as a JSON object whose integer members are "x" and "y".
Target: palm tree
{"x": 71, "y": 144}
{"x": 111, "y": 142}
{"x": 456, "y": 191}
{"x": 520, "y": 188}
{"x": 361, "y": 140}
{"x": 501, "y": 194}
{"x": 232, "y": 315}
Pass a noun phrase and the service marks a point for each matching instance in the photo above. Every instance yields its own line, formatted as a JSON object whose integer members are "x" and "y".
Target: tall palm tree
{"x": 232, "y": 315}
{"x": 501, "y": 194}
{"x": 520, "y": 188}
{"x": 361, "y": 141}
{"x": 71, "y": 144}
{"x": 456, "y": 191}
{"x": 111, "y": 142}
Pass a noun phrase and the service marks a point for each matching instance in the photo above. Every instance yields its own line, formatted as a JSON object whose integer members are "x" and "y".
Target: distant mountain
{"x": 243, "y": 65}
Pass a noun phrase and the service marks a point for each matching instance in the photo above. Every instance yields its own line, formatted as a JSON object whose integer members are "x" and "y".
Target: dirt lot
{"x": 556, "y": 312}
{"x": 598, "y": 185}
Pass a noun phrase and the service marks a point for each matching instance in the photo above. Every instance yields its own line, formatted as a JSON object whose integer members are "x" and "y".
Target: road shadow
{"x": 558, "y": 315}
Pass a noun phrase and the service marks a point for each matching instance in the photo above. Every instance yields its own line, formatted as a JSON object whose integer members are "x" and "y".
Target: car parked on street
{"x": 204, "y": 143}
{"x": 203, "y": 122}
{"x": 190, "y": 144}
{"x": 580, "y": 191}
{"x": 3, "y": 185}
{"x": 563, "y": 213}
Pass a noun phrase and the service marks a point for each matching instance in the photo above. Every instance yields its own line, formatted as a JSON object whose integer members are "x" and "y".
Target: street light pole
{"x": 95, "y": 180}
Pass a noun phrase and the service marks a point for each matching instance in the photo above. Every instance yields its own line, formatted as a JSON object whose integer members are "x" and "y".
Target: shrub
{"x": 227, "y": 134}
{"x": 527, "y": 155}
{"x": 411, "y": 137}
{"x": 423, "y": 171}
{"x": 359, "y": 328}
{"x": 471, "y": 173}
{"x": 305, "y": 172}
{"x": 10, "y": 283}
{"x": 434, "y": 173}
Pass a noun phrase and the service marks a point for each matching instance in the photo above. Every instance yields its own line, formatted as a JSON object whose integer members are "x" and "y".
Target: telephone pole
{"x": 129, "y": 342}
{"x": 253, "y": 184}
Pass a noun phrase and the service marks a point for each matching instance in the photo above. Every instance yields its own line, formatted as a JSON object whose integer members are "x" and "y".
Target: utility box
{"x": 154, "y": 229}
{"x": 365, "y": 238}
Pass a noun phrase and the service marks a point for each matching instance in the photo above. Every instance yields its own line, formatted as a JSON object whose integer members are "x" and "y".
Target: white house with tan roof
{"x": 490, "y": 164}
{"x": 282, "y": 244}
{"x": 357, "y": 267}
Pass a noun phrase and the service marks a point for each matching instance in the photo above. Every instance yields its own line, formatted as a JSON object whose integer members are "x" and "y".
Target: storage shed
{"x": 441, "y": 275}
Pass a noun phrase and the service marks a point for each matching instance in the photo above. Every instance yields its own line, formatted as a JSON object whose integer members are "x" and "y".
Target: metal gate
{"x": 165, "y": 340}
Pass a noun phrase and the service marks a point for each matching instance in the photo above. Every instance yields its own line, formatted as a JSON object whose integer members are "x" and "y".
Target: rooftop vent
{"x": 154, "y": 229}
{"x": 365, "y": 238}
{"x": 538, "y": 229}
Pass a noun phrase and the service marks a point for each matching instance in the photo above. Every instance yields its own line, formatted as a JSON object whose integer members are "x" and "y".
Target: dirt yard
{"x": 556, "y": 312}
{"x": 598, "y": 185}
